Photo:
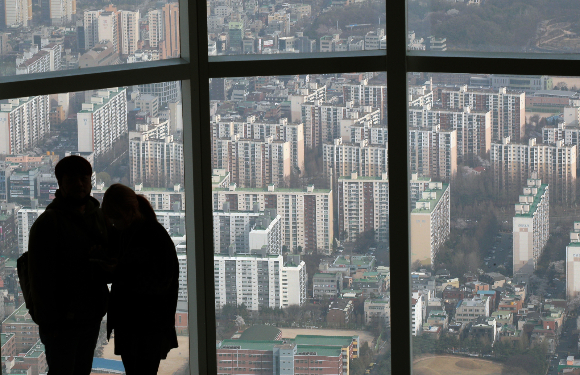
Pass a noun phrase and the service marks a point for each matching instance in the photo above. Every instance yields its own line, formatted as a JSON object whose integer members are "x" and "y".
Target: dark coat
{"x": 144, "y": 291}
{"x": 66, "y": 287}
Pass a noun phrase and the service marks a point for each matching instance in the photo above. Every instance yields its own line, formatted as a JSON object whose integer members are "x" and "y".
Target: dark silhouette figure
{"x": 68, "y": 291}
{"x": 145, "y": 283}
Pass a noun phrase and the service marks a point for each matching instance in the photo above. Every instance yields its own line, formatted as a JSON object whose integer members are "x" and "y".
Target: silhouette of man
{"x": 69, "y": 293}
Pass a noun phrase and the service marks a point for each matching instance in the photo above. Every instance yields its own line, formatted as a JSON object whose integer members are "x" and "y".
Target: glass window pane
{"x": 51, "y": 35}
{"x": 300, "y": 198}
{"x": 493, "y": 26}
{"x": 252, "y": 27}
{"x": 494, "y": 222}
{"x": 129, "y": 136}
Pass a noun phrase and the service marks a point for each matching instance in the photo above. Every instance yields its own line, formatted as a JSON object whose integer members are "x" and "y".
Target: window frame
{"x": 194, "y": 69}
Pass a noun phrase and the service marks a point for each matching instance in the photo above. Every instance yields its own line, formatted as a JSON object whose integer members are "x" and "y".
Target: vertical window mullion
{"x": 399, "y": 187}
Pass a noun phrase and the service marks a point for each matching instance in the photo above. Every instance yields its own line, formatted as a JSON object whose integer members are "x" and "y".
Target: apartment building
{"x": 128, "y": 32}
{"x": 266, "y": 234}
{"x": 24, "y": 122}
{"x": 363, "y": 205}
{"x": 172, "y": 221}
{"x": 38, "y": 61}
{"x": 170, "y": 47}
{"x": 364, "y": 94}
{"x": 326, "y": 285}
{"x": 570, "y": 134}
{"x": 91, "y": 28}
{"x": 25, "y": 218}
{"x": 24, "y": 185}
{"x": 102, "y": 121}
{"x": 430, "y": 222}
{"x": 376, "y": 309}
{"x": 306, "y": 214}
{"x": 164, "y": 199}
{"x": 555, "y": 164}
{"x": 433, "y": 152}
{"x": 416, "y": 316}
{"x": 155, "y": 162}
{"x": 250, "y": 129}
{"x": 469, "y": 310}
{"x": 294, "y": 282}
{"x": 507, "y": 108}
{"x": 17, "y": 13}
{"x": 342, "y": 158}
{"x": 531, "y": 225}
{"x": 473, "y": 128}
{"x": 573, "y": 263}
{"x": 155, "y": 23}
{"x": 108, "y": 27}
{"x": 231, "y": 230}
{"x": 25, "y": 330}
{"x": 165, "y": 91}
{"x": 61, "y": 11}
{"x": 251, "y": 279}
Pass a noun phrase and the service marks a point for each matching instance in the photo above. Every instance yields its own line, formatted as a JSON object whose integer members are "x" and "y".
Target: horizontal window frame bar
{"x": 321, "y": 64}
{"x": 540, "y": 65}
{"x": 75, "y": 80}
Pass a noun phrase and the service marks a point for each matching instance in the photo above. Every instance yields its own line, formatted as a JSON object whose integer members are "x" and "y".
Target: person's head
{"x": 122, "y": 206}
{"x": 73, "y": 174}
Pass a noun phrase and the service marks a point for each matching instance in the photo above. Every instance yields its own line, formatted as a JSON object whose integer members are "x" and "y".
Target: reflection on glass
{"x": 251, "y": 27}
{"x": 57, "y": 35}
{"x": 494, "y": 223}
{"x": 535, "y": 26}
{"x": 129, "y": 137}
{"x": 300, "y": 198}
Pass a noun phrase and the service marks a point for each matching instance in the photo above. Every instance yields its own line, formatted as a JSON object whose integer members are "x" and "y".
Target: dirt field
{"x": 569, "y": 81}
{"x": 290, "y": 333}
{"x": 175, "y": 360}
{"x": 450, "y": 365}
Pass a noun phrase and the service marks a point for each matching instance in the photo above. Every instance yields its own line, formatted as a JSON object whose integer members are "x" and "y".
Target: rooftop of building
{"x": 249, "y": 344}
{"x": 5, "y": 337}
{"x": 324, "y": 351}
{"x": 318, "y": 340}
{"x": 534, "y": 205}
{"x": 260, "y": 333}
{"x": 112, "y": 93}
{"x": 324, "y": 275}
{"x": 276, "y": 190}
{"x": 433, "y": 202}
{"x": 19, "y": 316}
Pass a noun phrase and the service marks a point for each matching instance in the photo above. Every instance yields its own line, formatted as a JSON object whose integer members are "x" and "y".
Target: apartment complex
{"x": 24, "y": 122}
{"x": 507, "y": 108}
{"x": 102, "y": 121}
{"x": 294, "y": 282}
{"x": 306, "y": 214}
{"x": 364, "y": 94}
{"x": 430, "y": 222}
{"x": 555, "y": 164}
{"x": 25, "y": 330}
{"x": 363, "y": 205}
{"x": 473, "y": 128}
{"x": 25, "y": 218}
{"x": 249, "y": 279}
{"x": 341, "y": 158}
{"x": 531, "y": 225}
{"x": 573, "y": 263}
{"x": 433, "y": 152}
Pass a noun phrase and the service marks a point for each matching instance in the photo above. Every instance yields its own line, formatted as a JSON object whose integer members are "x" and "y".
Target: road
{"x": 567, "y": 345}
{"x": 500, "y": 254}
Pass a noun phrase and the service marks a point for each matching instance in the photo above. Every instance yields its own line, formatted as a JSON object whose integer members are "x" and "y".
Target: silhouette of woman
{"x": 145, "y": 283}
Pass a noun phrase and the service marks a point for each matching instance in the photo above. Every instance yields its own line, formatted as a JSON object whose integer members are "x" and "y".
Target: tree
{"x": 104, "y": 177}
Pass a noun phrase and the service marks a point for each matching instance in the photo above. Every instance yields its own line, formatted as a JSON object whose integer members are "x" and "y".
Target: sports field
{"x": 451, "y": 365}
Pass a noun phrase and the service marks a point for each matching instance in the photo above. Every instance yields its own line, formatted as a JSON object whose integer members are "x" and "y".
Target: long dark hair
{"x": 120, "y": 198}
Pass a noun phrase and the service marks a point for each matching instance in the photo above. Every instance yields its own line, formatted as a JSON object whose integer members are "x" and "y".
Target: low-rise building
{"x": 378, "y": 309}
{"x": 339, "y": 313}
{"x": 327, "y": 285}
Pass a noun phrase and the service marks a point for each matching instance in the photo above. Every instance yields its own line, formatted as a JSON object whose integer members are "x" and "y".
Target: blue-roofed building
{"x": 108, "y": 366}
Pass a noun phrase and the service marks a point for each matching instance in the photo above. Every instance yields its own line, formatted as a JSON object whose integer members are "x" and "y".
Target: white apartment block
{"x": 266, "y": 234}
{"x": 507, "y": 108}
{"x": 108, "y": 28}
{"x": 129, "y": 33}
{"x": 306, "y": 214}
{"x": 18, "y": 12}
{"x": 377, "y": 309}
{"x": 366, "y": 127}
{"x": 62, "y": 11}
{"x": 156, "y": 162}
{"x": 172, "y": 221}
{"x": 170, "y": 199}
{"x": 363, "y": 205}
{"x": 341, "y": 158}
{"x": 250, "y": 129}
{"x": 573, "y": 264}
{"x": 231, "y": 230}
{"x": 416, "y": 316}
{"x": 531, "y": 225}
{"x": 102, "y": 121}
{"x": 26, "y": 217}
{"x": 473, "y": 127}
{"x": 24, "y": 122}
{"x": 430, "y": 222}
{"x": 433, "y": 152}
{"x": 182, "y": 259}
{"x": 367, "y": 95}
{"x": 34, "y": 61}
{"x": 555, "y": 164}
{"x": 155, "y": 21}
{"x": 312, "y": 92}
{"x": 470, "y": 310}
{"x": 91, "y": 25}
{"x": 417, "y": 186}
{"x": 570, "y": 134}
{"x": 294, "y": 283}
{"x": 254, "y": 163}
{"x": 252, "y": 280}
